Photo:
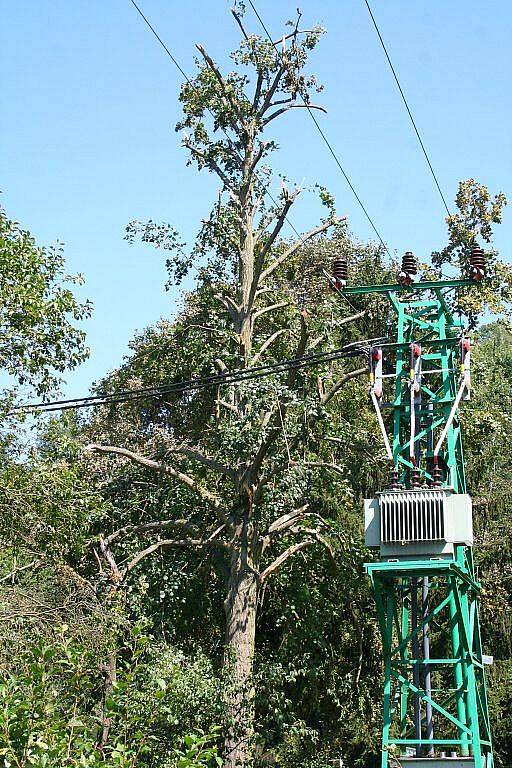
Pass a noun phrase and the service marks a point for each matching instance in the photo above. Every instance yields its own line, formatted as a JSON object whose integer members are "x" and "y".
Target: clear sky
{"x": 89, "y": 100}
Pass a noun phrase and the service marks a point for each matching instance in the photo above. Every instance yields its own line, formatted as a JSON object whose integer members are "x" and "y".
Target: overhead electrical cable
{"x": 166, "y": 49}
{"x": 235, "y": 377}
{"x": 325, "y": 139}
{"x": 402, "y": 94}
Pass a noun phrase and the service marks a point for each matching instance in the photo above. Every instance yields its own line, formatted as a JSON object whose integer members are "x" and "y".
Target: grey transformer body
{"x": 418, "y": 523}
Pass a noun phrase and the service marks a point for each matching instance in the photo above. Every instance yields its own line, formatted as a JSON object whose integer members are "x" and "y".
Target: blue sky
{"x": 89, "y": 102}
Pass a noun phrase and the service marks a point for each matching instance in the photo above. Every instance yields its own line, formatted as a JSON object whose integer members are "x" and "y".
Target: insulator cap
{"x": 340, "y": 269}
{"x": 409, "y": 263}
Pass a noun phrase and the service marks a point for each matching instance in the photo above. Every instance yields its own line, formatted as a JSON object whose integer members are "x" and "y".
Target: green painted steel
{"x": 397, "y": 288}
{"x": 457, "y": 696}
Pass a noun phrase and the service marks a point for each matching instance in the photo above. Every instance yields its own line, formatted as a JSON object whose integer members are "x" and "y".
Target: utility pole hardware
{"x": 435, "y": 711}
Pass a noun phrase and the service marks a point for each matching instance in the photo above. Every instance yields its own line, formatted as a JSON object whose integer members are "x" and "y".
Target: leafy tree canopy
{"x": 38, "y": 311}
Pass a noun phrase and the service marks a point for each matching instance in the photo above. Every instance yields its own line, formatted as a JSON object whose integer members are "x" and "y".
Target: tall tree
{"x": 252, "y": 435}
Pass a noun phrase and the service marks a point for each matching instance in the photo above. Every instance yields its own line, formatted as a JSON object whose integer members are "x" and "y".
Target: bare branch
{"x": 319, "y": 538}
{"x": 284, "y": 556}
{"x": 257, "y": 90}
{"x": 290, "y": 518}
{"x": 292, "y": 106}
{"x": 270, "y": 308}
{"x": 344, "y": 321}
{"x": 233, "y": 308}
{"x": 265, "y": 445}
{"x": 171, "y": 544}
{"x": 167, "y": 469}
{"x": 206, "y": 461}
{"x": 266, "y": 344}
{"x": 290, "y": 523}
{"x": 295, "y": 247}
{"x": 18, "y": 569}
{"x": 228, "y": 406}
{"x": 294, "y": 34}
{"x": 115, "y": 574}
{"x": 327, "y": 465}
{"x": 281, "y": 101}
{"x": 157, "y": 525}
{"x": 257, "y": 157}
{"x": 336, "y": 388}
{"x": 239, "y": 22}
{"x": 270, "y": 93}
{"x": 281, "y": 218}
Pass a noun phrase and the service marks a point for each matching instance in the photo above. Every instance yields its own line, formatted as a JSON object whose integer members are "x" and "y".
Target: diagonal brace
{"x": 421, "y": 693}
{"x": 403, "y": 645}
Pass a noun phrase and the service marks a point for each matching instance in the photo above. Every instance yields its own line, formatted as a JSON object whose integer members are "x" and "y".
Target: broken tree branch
{"x": 270, "y": 308}
{"x": 172, "y": 544}
{"x": 157, "y": 525}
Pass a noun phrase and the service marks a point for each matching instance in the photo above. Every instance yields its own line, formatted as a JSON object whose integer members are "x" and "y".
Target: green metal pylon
{"x": 433, "y": 706}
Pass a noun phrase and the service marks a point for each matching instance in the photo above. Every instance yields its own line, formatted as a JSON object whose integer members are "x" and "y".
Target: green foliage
{"x": 38, "y": 310}
{"x": 199, "y": 751}
{"x": 163, "y": 694}
{"x": 165, "y": 707}
{"x": 43, "y": 715}
{"x": 477, "y": 213}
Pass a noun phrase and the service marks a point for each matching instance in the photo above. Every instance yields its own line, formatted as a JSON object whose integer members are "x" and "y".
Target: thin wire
{"x": 326, "y": 140}
{"x": 199, "y": 381}
{"x": 422, "y": 145}
{"x": 350, "y": 350}
{"x": 166, "y": 49}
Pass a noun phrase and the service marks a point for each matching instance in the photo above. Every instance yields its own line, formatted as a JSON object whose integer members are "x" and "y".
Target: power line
{"x": 422, "y": 145}
{"x": 235, "y": 377}
{"x": 166, "y": 49}
{"x": 325, "y": 139}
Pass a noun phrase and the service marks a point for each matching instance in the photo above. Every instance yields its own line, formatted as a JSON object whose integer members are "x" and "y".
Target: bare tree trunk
{"x": 108, "y": 687}
{"x": 240, "y": 607}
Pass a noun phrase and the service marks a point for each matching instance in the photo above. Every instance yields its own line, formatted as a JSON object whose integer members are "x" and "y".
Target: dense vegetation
{"x": 181, "y": 576}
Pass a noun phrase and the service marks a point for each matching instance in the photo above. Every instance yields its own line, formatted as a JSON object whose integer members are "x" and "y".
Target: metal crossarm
{"x": 397, "y": 288}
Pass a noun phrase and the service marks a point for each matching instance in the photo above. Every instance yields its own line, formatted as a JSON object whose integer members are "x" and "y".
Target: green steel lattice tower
{"x": 435, "y": 703}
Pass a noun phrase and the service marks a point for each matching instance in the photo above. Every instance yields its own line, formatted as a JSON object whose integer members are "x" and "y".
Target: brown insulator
{"x": 409, "y": 263}
{"x": 477, "y": 256}
{"x": 393, "y": 482}
{"x": 415, "y": 476}
{"x": 437, "y": 475}
{"x": 340, "y": 269}
{"x": 477, "y": 263}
